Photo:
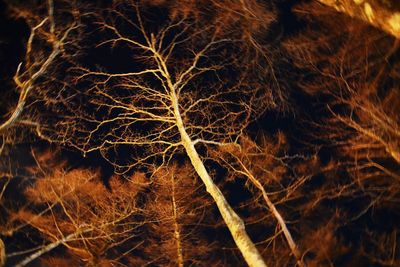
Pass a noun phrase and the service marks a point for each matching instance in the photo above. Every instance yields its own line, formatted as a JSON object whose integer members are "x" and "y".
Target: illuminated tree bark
{"x": 384, "y": 15}
{"x": 232, "y": 220}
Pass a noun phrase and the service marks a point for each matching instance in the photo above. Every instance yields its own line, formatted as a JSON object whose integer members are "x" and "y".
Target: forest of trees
{"x": 199, "y": 133}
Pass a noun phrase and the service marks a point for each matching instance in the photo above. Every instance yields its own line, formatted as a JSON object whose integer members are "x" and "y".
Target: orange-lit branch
{"x": 35, "y": 67}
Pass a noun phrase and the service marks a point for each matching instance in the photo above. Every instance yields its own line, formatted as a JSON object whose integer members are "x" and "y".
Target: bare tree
{"x": 177, "y": 213}
{"x": 74, "y": 209}
{"x": 192, "y": 82}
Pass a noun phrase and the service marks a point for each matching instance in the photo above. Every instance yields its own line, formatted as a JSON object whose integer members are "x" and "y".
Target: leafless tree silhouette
{"x": 195, "y": 80}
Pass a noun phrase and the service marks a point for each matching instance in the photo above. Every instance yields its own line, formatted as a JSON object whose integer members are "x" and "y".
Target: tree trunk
{"x": 177, "y": 232}
{"x": 232, "y": 220}
{"x": 276, "y": 213}
{"x": 2, "y": 253}
{"x": 384, "y": 15}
